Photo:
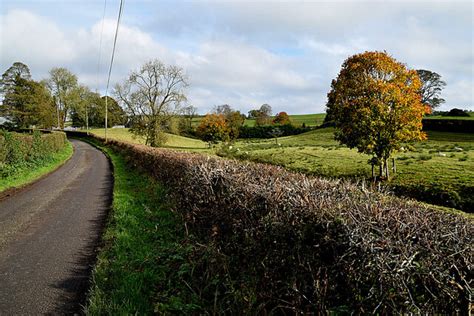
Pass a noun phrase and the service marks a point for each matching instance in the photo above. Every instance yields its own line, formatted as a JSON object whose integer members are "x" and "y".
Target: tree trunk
{"x": 387, "y": 172}
{"x": 394, "y": 166}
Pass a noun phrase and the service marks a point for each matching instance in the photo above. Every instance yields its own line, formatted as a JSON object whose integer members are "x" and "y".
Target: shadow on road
{"x": 75, "y": 288}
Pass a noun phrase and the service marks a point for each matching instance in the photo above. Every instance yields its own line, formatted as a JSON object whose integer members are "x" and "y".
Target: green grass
{"x": 438, "y": 117}
{"x": 308, "y": 119}
{"x": 435, "y": 163}
{"x": 139, "y": 271}
{"x": 297, "y": 119}
{"x": 174, "y": 141}
{"x": 29, "y": 174}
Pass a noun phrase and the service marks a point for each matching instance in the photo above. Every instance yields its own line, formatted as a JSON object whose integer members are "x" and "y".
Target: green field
{"x": 445, "y": 162}
{"x": 428, "y": 170}
{"x": 174, "y": 141}
{"x": 299, "y": 119}
{"x": 440, "y": 117}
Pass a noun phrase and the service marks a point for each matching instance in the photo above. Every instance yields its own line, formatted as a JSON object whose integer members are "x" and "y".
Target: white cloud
{"x": 33, "y": 40}
{"x": 246, "y": 53}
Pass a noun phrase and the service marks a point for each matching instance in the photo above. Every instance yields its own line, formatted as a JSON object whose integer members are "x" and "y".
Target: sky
{"x": 242, "y": 53}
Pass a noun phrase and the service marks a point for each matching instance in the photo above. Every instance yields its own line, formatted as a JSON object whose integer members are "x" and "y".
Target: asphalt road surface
{"x": 49, "y": 232}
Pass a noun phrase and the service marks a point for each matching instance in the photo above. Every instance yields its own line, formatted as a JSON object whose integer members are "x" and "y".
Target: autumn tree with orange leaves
{"x": 213, "y": 128}
{"x": 376, "y": 106}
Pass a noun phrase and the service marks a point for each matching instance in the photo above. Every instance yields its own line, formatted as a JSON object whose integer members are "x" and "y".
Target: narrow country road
{"x": 48, "y": 236}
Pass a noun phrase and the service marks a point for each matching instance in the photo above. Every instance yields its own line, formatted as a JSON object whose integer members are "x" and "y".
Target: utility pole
{"x": 87, "y": 122}
{"x": 106, "y": 118}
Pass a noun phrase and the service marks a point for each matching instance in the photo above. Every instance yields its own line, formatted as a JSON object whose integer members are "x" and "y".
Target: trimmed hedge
{"x": 272, "y": 241}
{"x": 19, "y": 150}
{"x": 447, "y": 125}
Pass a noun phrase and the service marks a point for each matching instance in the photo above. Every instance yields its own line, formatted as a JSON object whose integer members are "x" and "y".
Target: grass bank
{"x": 31, "y": 172}
{"x": 142, "y": 267}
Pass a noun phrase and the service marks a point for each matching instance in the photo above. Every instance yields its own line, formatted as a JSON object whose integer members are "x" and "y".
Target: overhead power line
{"x": 100, "y": 44}
{"x": 111, "y": 63}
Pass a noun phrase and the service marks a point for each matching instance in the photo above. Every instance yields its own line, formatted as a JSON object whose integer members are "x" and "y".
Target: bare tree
{"x": 152, "y": 95}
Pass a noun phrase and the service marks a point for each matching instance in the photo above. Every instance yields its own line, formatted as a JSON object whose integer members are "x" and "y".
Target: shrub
{"x": 23, "y": 150}
{"x": 272, "y": 241}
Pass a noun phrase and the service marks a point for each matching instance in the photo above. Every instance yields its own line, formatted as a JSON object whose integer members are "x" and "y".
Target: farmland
{"x": 440, "y": 168}
{"x": 174, "y": 141}
{"x": 306, "y": 119}
{"x": 443, "y": 163}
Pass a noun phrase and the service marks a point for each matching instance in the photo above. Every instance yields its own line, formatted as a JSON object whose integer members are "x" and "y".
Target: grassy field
{"x": 440, "y": 117}
{"x": 174, "y": 141}
{"x": 444, "y": 161}
{"x": 27, "y": 175}
{"x": 140, "y": 268}
{"x": 299, "y": 119}
{"x": 441, "y": 168}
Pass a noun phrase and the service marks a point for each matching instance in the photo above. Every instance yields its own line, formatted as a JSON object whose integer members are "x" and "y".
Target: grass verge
{"x": 142, "y": 265}
{"x": 27, "y": 175}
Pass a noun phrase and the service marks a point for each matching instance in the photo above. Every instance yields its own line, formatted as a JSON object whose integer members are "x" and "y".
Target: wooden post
{"x": 394, "y": 168}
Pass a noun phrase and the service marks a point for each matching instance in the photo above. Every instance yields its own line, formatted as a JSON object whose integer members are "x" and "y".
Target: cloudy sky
{"x": 243, "y": 53}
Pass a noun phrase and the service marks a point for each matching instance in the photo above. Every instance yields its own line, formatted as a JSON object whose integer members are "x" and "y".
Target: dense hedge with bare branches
{"x": 277, "y": 241}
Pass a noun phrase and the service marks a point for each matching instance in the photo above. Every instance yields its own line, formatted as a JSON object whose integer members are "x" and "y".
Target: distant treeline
{"x": 448, "y": 125}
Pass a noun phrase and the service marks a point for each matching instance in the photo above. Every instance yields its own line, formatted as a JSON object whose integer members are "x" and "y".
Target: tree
{"x": 152, "y": 95}
{"x": 457, "y": 112}
{"x": 63, "y": 84}
{"x": 223, "y": 109}
{"x": 252, "y": 114}
{"x": 25, "y": 101}
{"x": 263, "y": 115}
{"x": 213, "y": 128}
{"x": 235, "y": 120}
{"x": 431, "y": 88}
{"x": 12, "y": 75}
{"x": 282, "y": 118}
{"x": 376, "y": 105}
{"x": 188, "y": 113}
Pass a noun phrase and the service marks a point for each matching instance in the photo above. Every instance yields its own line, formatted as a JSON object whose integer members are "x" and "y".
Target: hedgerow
{"x": 271, "y": 241}
{"x": 18, "y": 150}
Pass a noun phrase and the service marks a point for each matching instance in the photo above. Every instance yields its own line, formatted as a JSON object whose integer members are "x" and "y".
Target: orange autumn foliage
{"x": 213, "y": 128}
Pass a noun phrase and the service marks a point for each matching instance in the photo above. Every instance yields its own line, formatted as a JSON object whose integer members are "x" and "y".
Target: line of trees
{"x": 50, "y": 102}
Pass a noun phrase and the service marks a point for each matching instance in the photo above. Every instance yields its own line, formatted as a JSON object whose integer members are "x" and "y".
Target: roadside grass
{"x": 444, "y": 162}
{"x": 141, "y": 267}
{"x": 29, "y": 173}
